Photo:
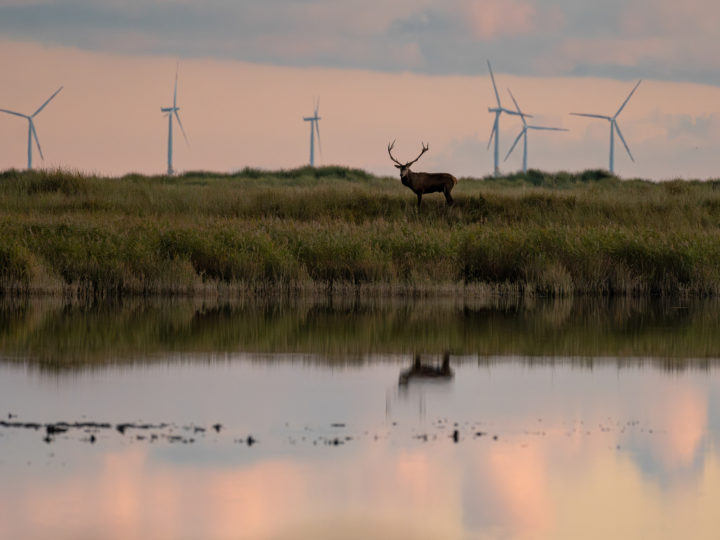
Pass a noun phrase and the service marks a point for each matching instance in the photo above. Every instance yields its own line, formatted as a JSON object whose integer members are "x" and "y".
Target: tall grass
{"x": 337, "y": 228}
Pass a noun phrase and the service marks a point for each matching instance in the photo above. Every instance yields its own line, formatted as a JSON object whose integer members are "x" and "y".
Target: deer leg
{"x": 445, "y": 364}
{"x": 448, "y": 197}
{"x": 419, "y": 199}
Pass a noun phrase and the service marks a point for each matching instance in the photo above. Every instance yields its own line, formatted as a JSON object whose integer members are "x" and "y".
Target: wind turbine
{"x": 614, "y": 127}
{"x": 524, "y": 132}
{"x": 314, "y": 128}
{"x": 170, "y": 111}
{"x": 496, "y": 126}
{"x": 31, "y": 126}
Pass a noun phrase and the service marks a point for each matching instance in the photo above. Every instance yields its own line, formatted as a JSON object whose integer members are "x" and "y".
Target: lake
{"x": 360, "y": 418}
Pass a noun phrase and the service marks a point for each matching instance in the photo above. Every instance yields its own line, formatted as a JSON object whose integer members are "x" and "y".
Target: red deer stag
{"x": 421, "y": 182}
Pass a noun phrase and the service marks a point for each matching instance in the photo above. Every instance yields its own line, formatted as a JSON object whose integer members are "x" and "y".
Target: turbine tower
{"x": 170, "y": 111}
{"x": 31, "y": 127}
{"x": 614, "y": 127}
{"x": 314, "y": 128}
{"x": 495, "y": 133}
{"x": 524, "y": 132}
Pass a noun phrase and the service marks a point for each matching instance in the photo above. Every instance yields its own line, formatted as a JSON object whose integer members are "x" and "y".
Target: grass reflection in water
{"x": 55, "y": 335}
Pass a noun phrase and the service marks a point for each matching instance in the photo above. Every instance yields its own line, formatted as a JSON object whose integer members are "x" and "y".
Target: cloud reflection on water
{"x": 565, "y": 465}
{"x": 510, "y": 491}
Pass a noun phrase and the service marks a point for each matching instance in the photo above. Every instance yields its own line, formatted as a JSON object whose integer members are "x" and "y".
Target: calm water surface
{"x": 558, "y": 420}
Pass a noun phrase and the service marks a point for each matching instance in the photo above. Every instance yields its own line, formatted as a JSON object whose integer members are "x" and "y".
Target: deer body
{"x": 420, "y": 371}
{"x": 421, "y": 182}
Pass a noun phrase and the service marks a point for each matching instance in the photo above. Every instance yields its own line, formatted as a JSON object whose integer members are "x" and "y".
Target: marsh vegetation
{"x": 333, "y": 228}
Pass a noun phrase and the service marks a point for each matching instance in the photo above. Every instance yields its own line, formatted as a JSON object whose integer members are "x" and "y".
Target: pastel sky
{"x": 412, "y": 70}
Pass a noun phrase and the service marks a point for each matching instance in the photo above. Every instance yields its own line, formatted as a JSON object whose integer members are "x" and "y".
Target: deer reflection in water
{"x": 420, "y": 371}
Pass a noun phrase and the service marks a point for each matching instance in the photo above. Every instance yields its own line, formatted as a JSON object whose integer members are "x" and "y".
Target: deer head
{"x": 405, "y": 167}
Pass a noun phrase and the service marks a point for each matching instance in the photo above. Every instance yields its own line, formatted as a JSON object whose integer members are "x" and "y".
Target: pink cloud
{"x": 686, "y": 420}
{"x": 491, "y": 19}
{"x": 519, "y": 480}
{"x": 663, "y": 17}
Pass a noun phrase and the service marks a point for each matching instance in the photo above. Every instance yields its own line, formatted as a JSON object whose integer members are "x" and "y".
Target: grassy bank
{"x": 341, "y": 229}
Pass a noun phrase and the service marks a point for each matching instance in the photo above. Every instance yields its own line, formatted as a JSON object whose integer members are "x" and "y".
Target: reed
{"x": 333, "y": 228}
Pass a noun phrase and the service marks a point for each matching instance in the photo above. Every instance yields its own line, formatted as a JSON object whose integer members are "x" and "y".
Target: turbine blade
{"x": 317, "y": 106}
{"x": 522, "y": 116}
{"x": 617, "y": 128}
{"x": 523, "y": 130}
{"x": 317, "y": 130}
{"x": 497, "y": 95}
{"x": 592, "y": 116}
{"x": 627, "y": 99}
{"x": 37, "y": 141}
{"x": 181, "y": 127}
{"x": 492, "y": 134}
{"x": 48, "y": 101}
{"x": 15, "y": 113}
{"x": 543, "y": 128}
{"x": 515, "y": 113}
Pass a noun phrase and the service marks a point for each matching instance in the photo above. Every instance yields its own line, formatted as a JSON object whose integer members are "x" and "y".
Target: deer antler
{"x": 390, "y": 147}
{"x": 425, "y": 148}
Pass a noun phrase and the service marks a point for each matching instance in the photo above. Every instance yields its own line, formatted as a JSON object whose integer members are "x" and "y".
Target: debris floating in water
{"x": 331, "y": 434}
